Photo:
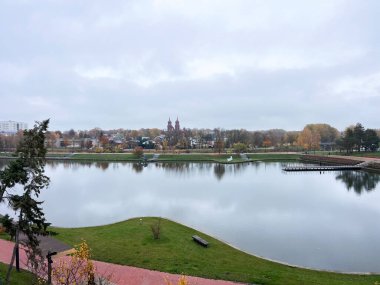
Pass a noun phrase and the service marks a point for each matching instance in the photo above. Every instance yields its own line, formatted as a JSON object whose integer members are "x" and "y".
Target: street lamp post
{"x": 50, "y": 262}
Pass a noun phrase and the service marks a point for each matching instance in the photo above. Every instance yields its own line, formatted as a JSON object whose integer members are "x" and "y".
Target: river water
{"x": 325, "y": 220}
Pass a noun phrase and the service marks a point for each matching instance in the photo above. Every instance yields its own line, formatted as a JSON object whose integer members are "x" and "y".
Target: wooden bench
{"x": 200, "y": 241}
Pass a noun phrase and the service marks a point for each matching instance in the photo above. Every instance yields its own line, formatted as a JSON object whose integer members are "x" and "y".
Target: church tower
{"x": 177, "y": 127}
{"x": 170, "y": 126}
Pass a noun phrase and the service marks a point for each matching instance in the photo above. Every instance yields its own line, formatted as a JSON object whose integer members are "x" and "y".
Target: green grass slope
{"x": 131, "y": 243}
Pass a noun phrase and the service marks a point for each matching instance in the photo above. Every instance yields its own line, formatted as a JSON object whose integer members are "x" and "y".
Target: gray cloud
{"x": 232, "y": 64}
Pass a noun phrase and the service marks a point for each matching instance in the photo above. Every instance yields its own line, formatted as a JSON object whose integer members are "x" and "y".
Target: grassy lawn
{"x": 191, "y": 157}
{"x": 4, "y": 235}
{"x": 17, "y": 278}
{"x": 107, "y": 156}
{"x": 274, "y": 156}
{"x": 221, "y": 158}
{"x": 131, "y": 243}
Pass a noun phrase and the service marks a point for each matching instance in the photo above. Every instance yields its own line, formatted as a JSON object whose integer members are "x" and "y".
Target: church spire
{"x": 177, "y": 127}
{"x": 170, "y": 126}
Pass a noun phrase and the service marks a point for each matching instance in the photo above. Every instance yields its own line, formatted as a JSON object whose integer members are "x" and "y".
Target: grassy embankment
{"x": 17, "y": 278}
{"x": 367, "y": 154}
{"x": 131, "y": 243}
{"x": 191, "y": 157}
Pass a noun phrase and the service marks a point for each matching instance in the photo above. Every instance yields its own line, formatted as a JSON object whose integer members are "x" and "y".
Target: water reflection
{"x": 219, "y": 170}
{"x": 137, "y": 167}
{"x": 256, "y": 206}
{"x": 3, "y": 163}
{"x": 359, "y": 180}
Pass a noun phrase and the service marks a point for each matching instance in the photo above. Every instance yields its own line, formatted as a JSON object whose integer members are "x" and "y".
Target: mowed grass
{"x": 107, "y": 157}
{"x": 169, "y": 157}
{"x": 274, "y": 156}
{"x": 131, "y": 243}
{"x": 194, "y": 157}
{"x": 17, "y": 278}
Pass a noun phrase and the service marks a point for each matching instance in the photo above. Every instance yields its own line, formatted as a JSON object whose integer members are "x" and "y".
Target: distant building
{"x": 170, "y": 127}
{"x": 12, "y": 127}
{"x": 173, "y": 134}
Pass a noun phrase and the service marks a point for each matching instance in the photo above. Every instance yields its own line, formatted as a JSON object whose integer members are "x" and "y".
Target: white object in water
{"x": 230, "y": 158}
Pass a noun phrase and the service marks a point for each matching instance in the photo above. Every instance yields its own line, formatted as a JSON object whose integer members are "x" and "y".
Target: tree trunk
{"x": 7, "y": 279}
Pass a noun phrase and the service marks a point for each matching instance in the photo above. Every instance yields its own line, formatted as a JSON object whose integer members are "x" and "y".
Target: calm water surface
{"x": 321, "y": 220}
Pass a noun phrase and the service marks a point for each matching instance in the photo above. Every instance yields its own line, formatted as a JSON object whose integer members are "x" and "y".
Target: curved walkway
{"x": 119, "y": 274}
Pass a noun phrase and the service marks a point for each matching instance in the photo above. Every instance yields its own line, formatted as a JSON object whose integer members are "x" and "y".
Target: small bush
{"x": 156, "y": 229}
{"x": 138, "y": 151}
{"x": 181, "y": 281}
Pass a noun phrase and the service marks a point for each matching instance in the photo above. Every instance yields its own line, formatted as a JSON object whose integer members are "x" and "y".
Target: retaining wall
{"x": 329, "y": 160}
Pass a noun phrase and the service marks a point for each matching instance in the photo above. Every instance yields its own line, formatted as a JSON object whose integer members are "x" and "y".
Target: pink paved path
{"x": 120, "y": 274}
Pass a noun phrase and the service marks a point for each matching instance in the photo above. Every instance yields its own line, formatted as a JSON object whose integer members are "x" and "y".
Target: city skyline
{"x": 229, "y": 64}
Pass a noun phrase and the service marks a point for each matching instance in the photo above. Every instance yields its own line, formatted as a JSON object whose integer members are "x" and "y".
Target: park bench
{"x": 200, "y": 241}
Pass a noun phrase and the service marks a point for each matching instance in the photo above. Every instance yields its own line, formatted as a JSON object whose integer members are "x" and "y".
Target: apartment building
{"x": 12, "y": 127}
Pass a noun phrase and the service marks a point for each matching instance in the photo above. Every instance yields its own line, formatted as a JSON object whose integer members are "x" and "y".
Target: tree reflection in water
{"x": 219, "y": 170}
{"x": 359, "y": 180}
{"x": 138, "y": 167}
{"x": 3, "y": 163}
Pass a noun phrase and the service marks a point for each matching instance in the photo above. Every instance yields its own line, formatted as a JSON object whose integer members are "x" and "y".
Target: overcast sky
{"x": 231, "y": 64}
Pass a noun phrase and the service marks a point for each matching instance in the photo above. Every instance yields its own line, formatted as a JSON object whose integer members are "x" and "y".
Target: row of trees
{"x": 358, "y": 138}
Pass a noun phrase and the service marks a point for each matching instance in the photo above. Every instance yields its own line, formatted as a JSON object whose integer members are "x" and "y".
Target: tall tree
{"x": 358, "y": 136}
{"x": 219, "y": 140}
{"x": 28, "y": 171}
{"x": 347, "y": 141}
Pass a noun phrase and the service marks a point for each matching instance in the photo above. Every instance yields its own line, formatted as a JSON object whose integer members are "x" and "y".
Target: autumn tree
{"x": 78, "y": 268}
{"x": 327, "y": 133}
{"x": 267, "y": 142}
{"x": 138, "y": 151}
{"x": 219, "y": 140}
{"x": 309, "y": 139}
{"x": 104, "y": 141}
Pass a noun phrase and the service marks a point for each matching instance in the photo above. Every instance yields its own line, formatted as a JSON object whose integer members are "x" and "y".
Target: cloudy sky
{"x": 233, "y": 64}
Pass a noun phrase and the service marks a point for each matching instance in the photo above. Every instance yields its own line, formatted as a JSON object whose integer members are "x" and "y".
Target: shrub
{"x": 181, "y": 281}
{"x": 156, "y": 229}
{"x": 138, "y": 151}
{"x": 239, "y": 147}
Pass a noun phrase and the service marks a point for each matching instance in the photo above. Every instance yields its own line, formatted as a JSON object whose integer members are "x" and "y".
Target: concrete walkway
{"x": 119, "y": 274}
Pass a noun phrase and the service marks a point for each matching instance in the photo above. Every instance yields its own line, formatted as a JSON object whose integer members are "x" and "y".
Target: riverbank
{"x": 131, "y": 243}
{"x": 369, "y": 163}
{"x": 168, "y": 157}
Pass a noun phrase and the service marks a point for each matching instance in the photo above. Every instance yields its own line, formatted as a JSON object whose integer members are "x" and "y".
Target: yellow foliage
{"x": 77, "y": 269}
{"x": 181, "y": 281}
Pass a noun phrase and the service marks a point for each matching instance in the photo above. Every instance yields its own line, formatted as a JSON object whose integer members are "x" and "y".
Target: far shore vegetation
{"x": 173, "y": 140}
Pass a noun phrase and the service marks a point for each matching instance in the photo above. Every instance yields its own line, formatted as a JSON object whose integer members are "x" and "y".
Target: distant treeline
{"x": 312, "y": 137}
